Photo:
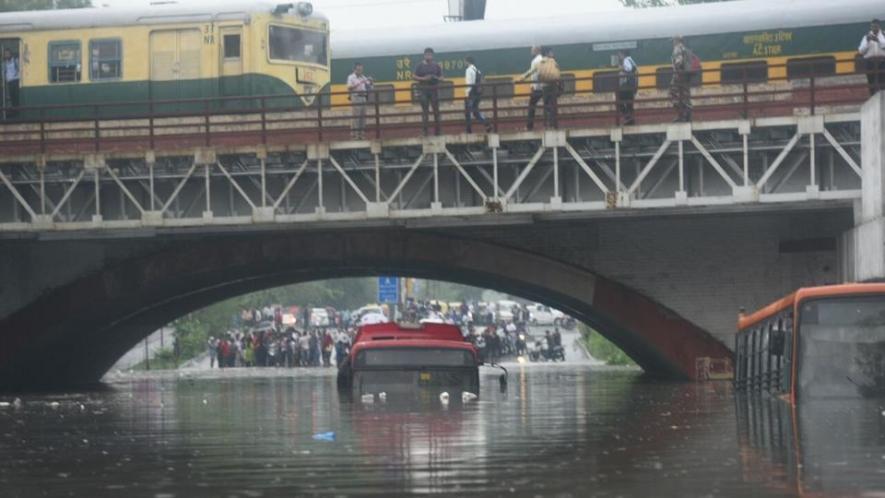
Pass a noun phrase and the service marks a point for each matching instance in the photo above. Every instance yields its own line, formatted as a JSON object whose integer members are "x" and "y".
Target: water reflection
{"x": 557, "y": 431}
{"x": 833, "y": 447}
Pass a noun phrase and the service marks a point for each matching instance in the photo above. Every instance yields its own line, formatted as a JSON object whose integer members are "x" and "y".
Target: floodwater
{"x": 565, "y": 430}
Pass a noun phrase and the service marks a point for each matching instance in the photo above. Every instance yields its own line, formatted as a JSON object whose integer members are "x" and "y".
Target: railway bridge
{"x": 655, "y": 234}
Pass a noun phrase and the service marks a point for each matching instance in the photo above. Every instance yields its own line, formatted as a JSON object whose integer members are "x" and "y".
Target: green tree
{"x": 602, "y": 349}
{"x": 19, "y": 5}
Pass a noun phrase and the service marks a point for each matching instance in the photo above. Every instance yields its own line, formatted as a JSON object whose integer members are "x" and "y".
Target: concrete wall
{"x": 865, "y": 244}
{"x": 704, "y": 267}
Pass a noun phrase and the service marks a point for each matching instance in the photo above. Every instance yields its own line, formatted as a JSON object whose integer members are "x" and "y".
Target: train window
{"x": 105, "y": 60}
{"x": 232, "y": 46}
{"x": 605, "y": 81}
{"x": 664, "y": 78}
{"x": 498, "y": 87}
{"x": 744, "y": 72}
{"x": 568, "y": 83}
{"x": 385, "y": 94}
{"x": 810, "y": 66}
{"x": 64, "y": 62}
{"x": 297, "y": 45}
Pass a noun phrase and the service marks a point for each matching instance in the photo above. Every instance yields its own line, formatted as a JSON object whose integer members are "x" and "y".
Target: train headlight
{"x": 304, "y": 9}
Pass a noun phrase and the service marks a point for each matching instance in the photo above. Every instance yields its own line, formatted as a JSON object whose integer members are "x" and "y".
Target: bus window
{"x": 842, "y": 347}
{"x": 786, "y": 378}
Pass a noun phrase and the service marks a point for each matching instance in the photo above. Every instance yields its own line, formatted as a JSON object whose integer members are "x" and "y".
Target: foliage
{"x": 162, "y": 360}
{"x": 602, "y": 349}
{"x": 19, "y": 5}
{"x": 642, "y": 4}
{"x": 447, "y": 291}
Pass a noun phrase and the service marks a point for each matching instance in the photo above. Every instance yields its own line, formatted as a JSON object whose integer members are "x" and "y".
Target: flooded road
{"x": 565, "y": 430}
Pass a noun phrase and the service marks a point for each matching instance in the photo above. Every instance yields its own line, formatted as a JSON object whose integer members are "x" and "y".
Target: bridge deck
{"x": 763, "y": 146}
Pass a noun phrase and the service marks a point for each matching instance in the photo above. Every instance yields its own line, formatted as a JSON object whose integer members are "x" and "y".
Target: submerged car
{"x": 401, "y": 360}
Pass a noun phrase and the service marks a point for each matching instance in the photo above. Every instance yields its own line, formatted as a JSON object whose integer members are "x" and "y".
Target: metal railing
{"x": 279, "y": 119}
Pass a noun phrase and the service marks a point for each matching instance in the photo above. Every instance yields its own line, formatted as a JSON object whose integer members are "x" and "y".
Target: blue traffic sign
{"x": 388, "y": 290}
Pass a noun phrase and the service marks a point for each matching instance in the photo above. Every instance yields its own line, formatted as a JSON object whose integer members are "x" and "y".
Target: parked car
{"x": 541, "y": 315}
{"x": 504, "y": 310}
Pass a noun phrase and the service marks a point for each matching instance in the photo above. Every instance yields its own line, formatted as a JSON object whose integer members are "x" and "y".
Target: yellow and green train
{"x": 169, "y": 52}
{"x": 756, "y": 40}
{"x": 163, "y": 52}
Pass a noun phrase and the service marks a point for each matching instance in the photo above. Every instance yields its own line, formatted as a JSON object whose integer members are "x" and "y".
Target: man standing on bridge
{"x": 359, "y": 86}
{"x": 872, "y": 49}
{"x": 429, "y": 74}
{"x": 537, "y": 87}
{"x": 680, "y": 85}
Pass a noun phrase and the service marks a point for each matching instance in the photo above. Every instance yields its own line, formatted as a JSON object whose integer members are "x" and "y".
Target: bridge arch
{"x": 74, "y": 333}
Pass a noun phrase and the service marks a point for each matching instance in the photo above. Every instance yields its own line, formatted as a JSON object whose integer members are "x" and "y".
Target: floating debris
{"x": 444, "y": 398}
{"x": 367, "y": 398}
{"x": 467, "y": 397}
{"x": 324, "y": 436}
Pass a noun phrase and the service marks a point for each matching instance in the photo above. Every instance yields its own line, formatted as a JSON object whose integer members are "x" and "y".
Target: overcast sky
{"x": 346, "y": 14}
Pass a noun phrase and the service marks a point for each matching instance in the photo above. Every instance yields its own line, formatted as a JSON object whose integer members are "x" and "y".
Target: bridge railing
{"x": 281, "y": 119}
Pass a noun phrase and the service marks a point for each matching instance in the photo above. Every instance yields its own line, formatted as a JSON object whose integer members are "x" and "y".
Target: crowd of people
{"x": 547, "y": 85}
{"x": 484, "y": 326}
{"x": 274, "y": 336}
{"x": 263, "y": 338}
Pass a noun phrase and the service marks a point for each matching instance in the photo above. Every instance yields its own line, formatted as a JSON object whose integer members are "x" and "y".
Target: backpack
{"x": 691, "y": 62}
{"x": 548, "y": 71}
{"x": 477, "y": 86}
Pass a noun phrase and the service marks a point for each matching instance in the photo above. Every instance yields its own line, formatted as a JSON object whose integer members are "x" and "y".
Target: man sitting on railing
{"x": 872, "y": 49}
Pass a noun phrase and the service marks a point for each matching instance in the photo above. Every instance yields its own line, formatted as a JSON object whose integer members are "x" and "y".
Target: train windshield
{"x": 299, "y": 45}
{"x": 842, "y": 347}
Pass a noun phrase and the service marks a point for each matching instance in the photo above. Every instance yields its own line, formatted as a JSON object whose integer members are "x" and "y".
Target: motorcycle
{"x": 521, "y": 347}
{"x": 557, "y": 353}
{"x": 536, "y": 352}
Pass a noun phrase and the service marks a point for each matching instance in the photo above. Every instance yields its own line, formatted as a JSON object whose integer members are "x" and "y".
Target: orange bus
{"x": 817, "y": 342}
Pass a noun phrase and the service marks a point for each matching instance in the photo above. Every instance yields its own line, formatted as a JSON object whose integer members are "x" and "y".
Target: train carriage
{"x": 756, "y": 41}
{"x": 169, "y": 52}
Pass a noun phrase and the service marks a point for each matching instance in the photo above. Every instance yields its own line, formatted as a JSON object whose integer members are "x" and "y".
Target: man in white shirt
{"x": 473, "y": 80}
{"x": 537, "y": 87}
{"x": 359, "y": 86}
{"x": 11, "y": 76}
{"x": 872, "y": 49}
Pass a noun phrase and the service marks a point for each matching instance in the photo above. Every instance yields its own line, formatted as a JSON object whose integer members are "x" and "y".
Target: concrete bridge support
{"x": 864, "y": 245}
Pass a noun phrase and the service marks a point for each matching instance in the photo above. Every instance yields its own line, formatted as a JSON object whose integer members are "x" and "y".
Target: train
{"x": 755, "y": 40}
{"x": 169, "y": 52}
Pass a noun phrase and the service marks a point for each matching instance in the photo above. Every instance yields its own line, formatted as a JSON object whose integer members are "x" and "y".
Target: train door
{"x": 231, "y": 63}
{"x": 9, "y": 88}
{"x": 176, "y": 60}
